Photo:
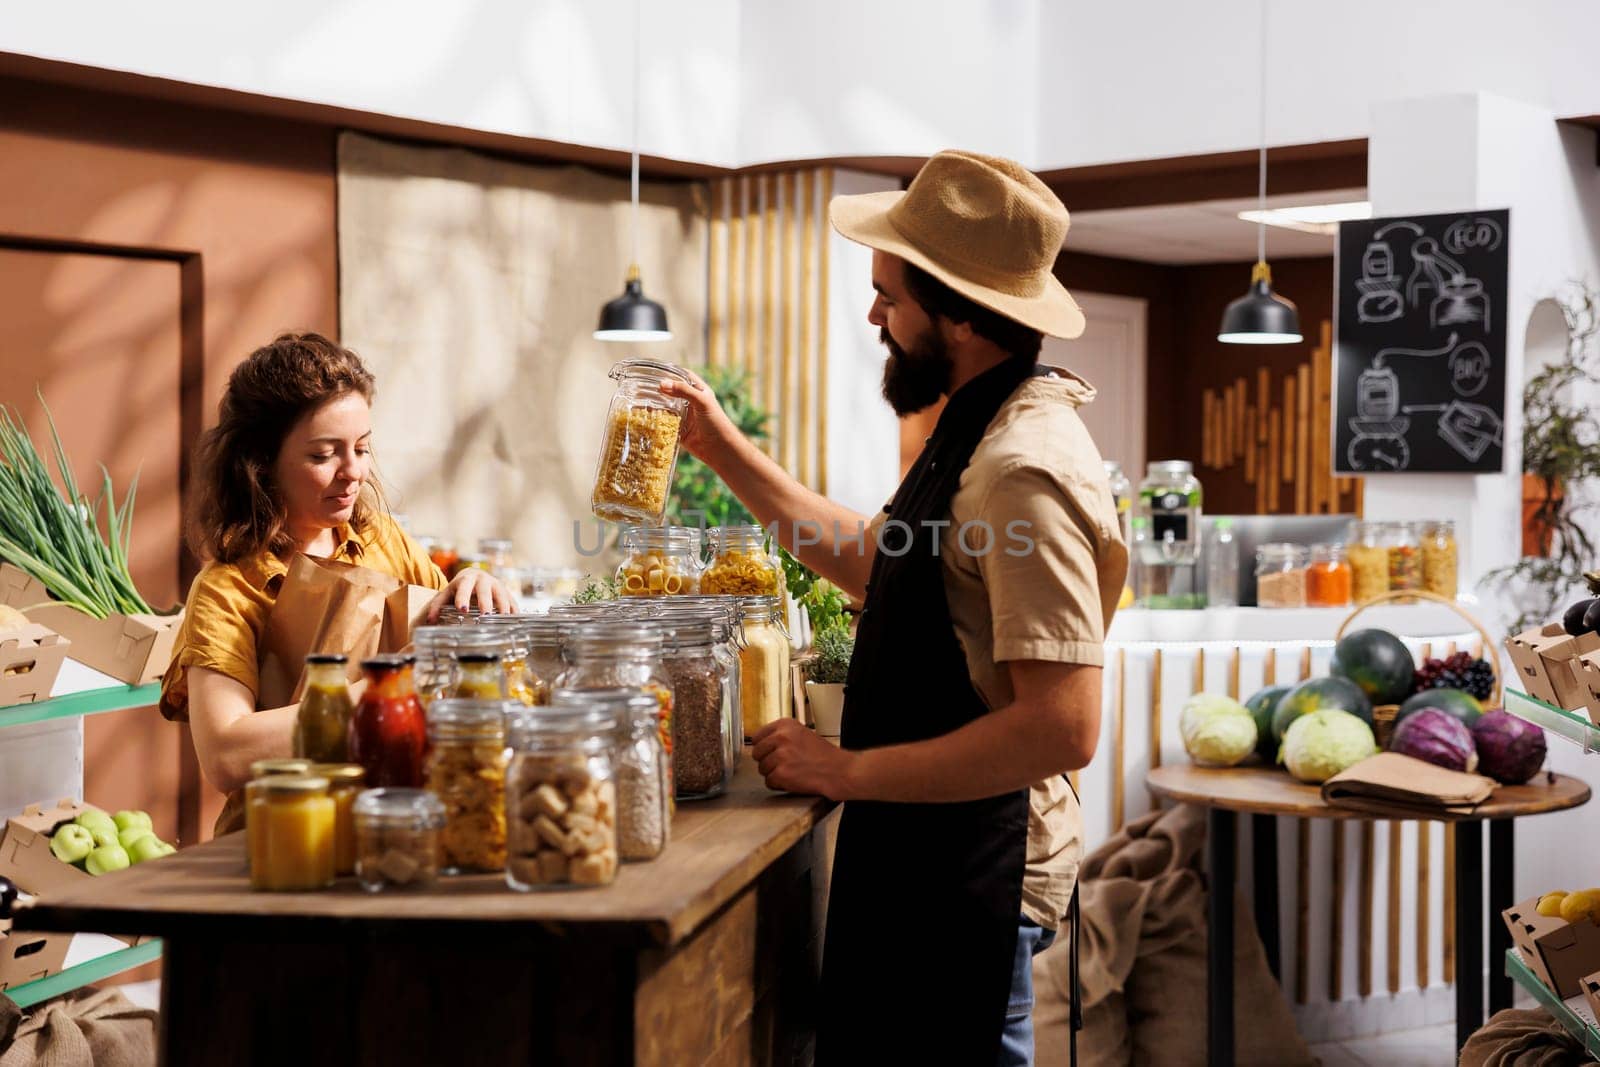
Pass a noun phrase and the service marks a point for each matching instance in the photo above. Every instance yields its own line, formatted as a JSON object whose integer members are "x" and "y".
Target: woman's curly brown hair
{"x": 234, "y": 510}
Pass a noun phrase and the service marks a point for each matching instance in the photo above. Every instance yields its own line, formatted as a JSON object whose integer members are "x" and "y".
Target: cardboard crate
{"x": 131, "y": 648}
{"x": 1546, "y": 658}
{"x": 28, "y": 957}
{"x": 1559, "y": 952}
{"x": 25, "y": 855}
{"x": 30, "y": 662}
{"x": 1589, "y": 676}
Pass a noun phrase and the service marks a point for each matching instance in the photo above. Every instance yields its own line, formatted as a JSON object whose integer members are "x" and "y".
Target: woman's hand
{"x": 706, "y": 429}
{"x": 492, "y": 595}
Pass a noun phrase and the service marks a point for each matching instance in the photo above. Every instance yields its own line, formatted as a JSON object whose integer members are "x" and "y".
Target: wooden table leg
{"x": 1469, "y": 930}
{"x": 1264, "y": 870}
{"x": 1221, "y": 845}
{"x": 1502, "y": 865}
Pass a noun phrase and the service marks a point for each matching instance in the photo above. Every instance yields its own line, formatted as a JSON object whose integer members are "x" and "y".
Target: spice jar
{"x": 322, "y": 723}
{"x": 1440, "y": 558}
{"x": 1328, "y": 578}
{"x": 644, "y": 790}
{"x": 561, "y": 800}
{"x": 345, "y": 783}
{"x": 640, "y": 447}
{"x": 1280, "y": 576}
{"x": 610, "y": 654}
{"x": 1369, "y": 562}
{"x": 289, "y": 828}
{"x": 397, "y": 838}
{"x": 388, "y": 733}
{"x": 701, "y": 697}
{"x": 466, "y": 770}
{"x": 659, "y": 561}
{"x": 765, "y": 685}
{"x": 740, "y": 563}
{"x": 1405, "y": 556}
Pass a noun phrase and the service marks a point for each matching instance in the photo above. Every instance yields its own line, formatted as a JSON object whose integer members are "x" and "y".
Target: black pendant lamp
{"x": 633, "y": 316}
{"x": 1260, "y": 316}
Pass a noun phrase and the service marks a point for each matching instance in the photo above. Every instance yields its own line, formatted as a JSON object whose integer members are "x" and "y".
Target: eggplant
{"x": 1591, "y": 618}
{"x": 1576, "y": 620}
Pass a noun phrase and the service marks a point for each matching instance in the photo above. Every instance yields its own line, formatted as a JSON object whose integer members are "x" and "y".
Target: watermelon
{"x": 1262, "y": 705}
{"x": 1320, "y": 694}
{"x": 1461, "y": 704}
{"x": 1377, "y": 661}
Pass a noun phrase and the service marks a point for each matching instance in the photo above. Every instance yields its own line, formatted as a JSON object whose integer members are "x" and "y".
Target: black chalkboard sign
{"x": 1419, "y": 354}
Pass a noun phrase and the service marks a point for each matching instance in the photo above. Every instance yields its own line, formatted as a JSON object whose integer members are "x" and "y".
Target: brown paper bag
{"x": 329, "y": 606}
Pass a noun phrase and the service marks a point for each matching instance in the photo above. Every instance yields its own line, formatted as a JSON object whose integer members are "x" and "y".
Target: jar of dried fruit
{"x": 640, "y": 446}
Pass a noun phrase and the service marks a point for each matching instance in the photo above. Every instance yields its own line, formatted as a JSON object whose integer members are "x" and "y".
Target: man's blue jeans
{"x": 1016, "y": 1041}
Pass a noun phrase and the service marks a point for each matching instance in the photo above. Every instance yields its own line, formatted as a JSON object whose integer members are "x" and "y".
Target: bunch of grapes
{"x": 1460, "y": 671}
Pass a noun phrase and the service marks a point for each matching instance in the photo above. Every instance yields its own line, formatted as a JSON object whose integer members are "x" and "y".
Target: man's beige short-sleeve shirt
{"x": 1034, "y": 564}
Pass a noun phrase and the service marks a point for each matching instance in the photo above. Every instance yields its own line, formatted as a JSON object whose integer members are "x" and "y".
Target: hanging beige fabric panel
{"x": 471, "y": 287}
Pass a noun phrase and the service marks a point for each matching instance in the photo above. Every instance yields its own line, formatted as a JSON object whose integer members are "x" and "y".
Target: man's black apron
{"x": 922, "y": 918}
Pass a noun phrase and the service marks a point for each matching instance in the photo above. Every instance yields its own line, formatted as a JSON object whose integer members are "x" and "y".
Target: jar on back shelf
{"x": 322, "y": 722}
{"x": 1329, "y": 577}
{"x": 639, "y": 448}
{"x": 1170, "y": 499}
{"x": 643, "y": 777}
{"x": 561, "y": 799}
{"x": 765, "y": 684}
{"x": 740, "y": 564}
{"x": 659, "y": 561}
{"x": 1405, "y": 556}
{"x": 1369, "y": 561}
{"x": 1440, "y": 558}
{"x": 1281, "y": 576}
{"x": 466, "y": 770}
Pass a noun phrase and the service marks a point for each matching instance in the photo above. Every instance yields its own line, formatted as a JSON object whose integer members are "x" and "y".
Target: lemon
{"x": 1550, "y": 904}
{"x": 1584, "y": 904}
{"x": 1126, "y": 599}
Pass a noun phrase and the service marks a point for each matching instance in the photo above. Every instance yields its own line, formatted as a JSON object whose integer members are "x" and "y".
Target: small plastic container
{"x": 561, "y": 799}
{"x": 639, "y": 449}
{"x": 1329, "y": 578}
{"x": 1281, "y": 576}
{"x": 289, "y": 830}
{"x": 397, "y": 838}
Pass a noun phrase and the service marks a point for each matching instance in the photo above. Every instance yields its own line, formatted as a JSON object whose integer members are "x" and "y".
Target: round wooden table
{"x": 1265, "y": 792}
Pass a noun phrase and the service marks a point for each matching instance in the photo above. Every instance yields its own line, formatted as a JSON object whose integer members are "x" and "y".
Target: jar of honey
{"x": 345, "y": 783}
{"x": 289, "y": 821}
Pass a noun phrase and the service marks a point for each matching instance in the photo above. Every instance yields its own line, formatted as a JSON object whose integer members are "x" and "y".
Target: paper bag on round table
{"x": 329, "y": 606}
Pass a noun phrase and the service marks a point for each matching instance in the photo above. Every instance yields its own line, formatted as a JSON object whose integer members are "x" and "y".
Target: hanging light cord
{"x": 1261, "y": 190}
{"x": 637, "y": 33}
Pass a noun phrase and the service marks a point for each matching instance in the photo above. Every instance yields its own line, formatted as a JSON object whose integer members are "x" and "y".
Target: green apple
{"x": 107, "y": 858}
{"x": 148, "y": 847}
{"x": 94, "y": 818}
{"x": 104, "y": 835}
{"x": 166, "y": 849}
{"x": 72, "y": 843}
{"x": 132, "y": 834}
{"x": 127, "y": 819}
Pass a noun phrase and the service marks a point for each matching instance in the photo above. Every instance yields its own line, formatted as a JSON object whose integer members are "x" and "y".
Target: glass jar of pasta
{"x": 643, "y": 776}
{"x": 561, "y": 799}
{"x": 1440, "y": 558}
{"x": 766, "y": 688}
{"x": 1369, "y": 562}
{"x": 1405, "y": 557}
{"x": 740, "y": 564}
{"x": 466, "y": 769}
{"x": 640, "y": 446}
{"x": 659, "y": 561}
{"x": 606, "y": 655}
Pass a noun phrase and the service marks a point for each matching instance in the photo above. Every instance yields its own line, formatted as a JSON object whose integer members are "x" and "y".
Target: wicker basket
{"x": 1383, "y": 714}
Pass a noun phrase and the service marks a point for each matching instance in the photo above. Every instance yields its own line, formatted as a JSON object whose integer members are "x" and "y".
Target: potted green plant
{"x": 825, "y": 677}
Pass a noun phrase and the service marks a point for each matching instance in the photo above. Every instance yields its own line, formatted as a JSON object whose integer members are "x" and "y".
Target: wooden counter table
{"x": 709, "y": 953}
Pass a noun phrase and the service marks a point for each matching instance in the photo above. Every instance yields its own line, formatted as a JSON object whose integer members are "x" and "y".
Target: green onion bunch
{"x": 54, "y": 534}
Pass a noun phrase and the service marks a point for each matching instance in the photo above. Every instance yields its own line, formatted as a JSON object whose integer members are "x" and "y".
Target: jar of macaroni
{"x": 740, "y": 564}
{"x": 659, "y": 561}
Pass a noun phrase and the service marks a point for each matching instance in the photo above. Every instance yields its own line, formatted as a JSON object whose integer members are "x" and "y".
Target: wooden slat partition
{"x": 1396, "y": 841}
{"x": 1119, "y": 744}
{"x": 1364, "y": 909}
{"x": 1302, "y": 944}
{"x": 1336, "y": 917}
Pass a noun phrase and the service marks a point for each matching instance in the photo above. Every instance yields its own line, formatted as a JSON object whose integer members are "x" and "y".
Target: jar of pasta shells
{"x": 561, "y": 799}
{"x": 640, "y": 446}
{"x": 740, "y": 564}
{"x": 466, "y": 770}
{"x": 659, "y": 561}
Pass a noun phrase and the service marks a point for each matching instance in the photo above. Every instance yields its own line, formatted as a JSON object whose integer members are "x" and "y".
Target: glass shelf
{"x": 1573, "y": 1014}
{"x": 87, "y": 702}
{"x": 89, "y": 972}
{"x": 1572, "y": 725}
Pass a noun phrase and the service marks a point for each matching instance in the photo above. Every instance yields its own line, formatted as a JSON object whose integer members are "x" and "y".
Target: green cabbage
{"x": 1319, "y": 745}
{"x": 1217, "y": 731}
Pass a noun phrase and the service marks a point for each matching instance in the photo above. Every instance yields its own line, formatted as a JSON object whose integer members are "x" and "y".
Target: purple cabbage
{"x": 1509, "y": 749}
{"x": 1436, "y": 736}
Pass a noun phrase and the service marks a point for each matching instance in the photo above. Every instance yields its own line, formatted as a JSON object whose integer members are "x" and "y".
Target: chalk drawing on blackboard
{"x": 1470, "y": 365}
{"x": 1479, "y": 234}
{"x": 1380, "y": 299}
{"x": 1468, "y": 428}
{"x": 1399, "y": 224}
{"x": 1380, "y": 431}
{"x": 1456, "y": 299}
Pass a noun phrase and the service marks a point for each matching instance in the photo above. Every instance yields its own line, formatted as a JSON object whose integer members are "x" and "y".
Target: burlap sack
{"x": 1522, "y": 1038}
{"x": 89, "y": 1028}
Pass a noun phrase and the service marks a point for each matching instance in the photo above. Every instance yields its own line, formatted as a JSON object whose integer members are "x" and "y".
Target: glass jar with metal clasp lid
{"x": 561, "y": 799}
{"x": 397, "y": 838}
{"x": 466, "y": 770}
{"x": 1281, "y": 576}
{"x": 605, "y": 655}
{"x": 766, "y": 687}
{"x": 1369, "y": 561}
{"x": 659, "y": 561}
{"x": 639, "y": 449}
{"x": 702, "y": 694}
{"x": 740, "y": 564}
{"x": 643, "y": 776}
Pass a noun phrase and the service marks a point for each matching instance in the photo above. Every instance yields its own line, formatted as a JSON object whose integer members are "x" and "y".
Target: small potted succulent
{"x": 825, "y": 677}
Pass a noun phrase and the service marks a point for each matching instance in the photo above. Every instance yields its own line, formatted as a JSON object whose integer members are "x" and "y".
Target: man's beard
{"x": 914, "y": 379}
